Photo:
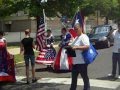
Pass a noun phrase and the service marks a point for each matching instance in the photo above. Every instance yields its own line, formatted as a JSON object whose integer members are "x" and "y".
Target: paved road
{"x": 50, "y": 80}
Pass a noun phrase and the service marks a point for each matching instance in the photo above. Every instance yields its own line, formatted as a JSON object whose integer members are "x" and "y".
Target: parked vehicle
{"x": 99, "y": 36}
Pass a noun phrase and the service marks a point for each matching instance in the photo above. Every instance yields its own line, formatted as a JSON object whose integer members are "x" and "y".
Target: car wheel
{"x": 108, "y": 44}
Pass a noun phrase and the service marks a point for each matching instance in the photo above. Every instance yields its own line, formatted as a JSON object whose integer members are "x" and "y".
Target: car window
{"x": 99, "y": 30}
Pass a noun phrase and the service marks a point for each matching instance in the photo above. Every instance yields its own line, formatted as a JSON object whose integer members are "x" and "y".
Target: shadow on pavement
{"x": 50, "y": 69}
{"x": 31, "y": 86}
{"x": 107, "y": 78}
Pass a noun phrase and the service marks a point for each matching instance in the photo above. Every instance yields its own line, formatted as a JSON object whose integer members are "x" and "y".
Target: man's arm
{"x": 85, "y": 47}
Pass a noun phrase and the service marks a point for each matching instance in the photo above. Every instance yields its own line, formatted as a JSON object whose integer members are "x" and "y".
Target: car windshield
{"x": 100, "y": 30}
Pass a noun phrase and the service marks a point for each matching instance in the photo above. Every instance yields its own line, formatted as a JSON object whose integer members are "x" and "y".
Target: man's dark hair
{"x": 27, "y": 31}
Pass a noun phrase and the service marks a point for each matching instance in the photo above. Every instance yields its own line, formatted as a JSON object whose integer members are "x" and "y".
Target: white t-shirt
{"x": 116, "y": 36}
{"x": 80, "y": 41}
{"x": 2, "y": 40}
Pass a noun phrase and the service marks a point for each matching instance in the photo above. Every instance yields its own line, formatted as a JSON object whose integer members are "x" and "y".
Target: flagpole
{"x": 44, "y": 19}
{"x": 84, "y": 22}
{"x": 75, "y": 14}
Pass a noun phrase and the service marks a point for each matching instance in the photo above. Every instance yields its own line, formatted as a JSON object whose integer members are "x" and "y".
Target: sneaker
{"x": 27, "y": 82}
{"x": 34, "y": 80}
{"x": 118, "y": 76}
{"x": 111, "y": 75}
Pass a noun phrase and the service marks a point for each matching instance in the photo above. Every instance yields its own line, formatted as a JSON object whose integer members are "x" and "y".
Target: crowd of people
{"x": 62, "y": 61}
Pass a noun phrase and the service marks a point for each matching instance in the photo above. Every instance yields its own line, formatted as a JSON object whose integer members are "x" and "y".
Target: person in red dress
{"x": 63, "y": 61}
{"x": 7, "y": 69}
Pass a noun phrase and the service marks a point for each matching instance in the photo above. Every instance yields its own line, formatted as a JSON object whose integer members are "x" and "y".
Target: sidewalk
{"x": 16, "y": 51}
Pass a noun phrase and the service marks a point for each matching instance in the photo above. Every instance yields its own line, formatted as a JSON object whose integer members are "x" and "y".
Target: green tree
{"x": 65, "y": 7}
{"x": 35, "y": 7}
{"x": 107, "y": 8}
{"x": 9, "y": 7}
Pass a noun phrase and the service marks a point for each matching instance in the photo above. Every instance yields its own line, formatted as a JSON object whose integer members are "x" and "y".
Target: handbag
{"x": 70, "y": 52}
{"x": 90, "y": 54}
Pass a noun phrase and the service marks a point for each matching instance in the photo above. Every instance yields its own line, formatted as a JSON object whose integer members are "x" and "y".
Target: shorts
{"x": 30, "y": 58}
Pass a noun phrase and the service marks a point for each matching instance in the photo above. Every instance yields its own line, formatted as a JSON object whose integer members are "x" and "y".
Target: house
{"x": 20, "y": 21}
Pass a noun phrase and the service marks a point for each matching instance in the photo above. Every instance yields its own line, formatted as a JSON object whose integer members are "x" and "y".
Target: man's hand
{"x": 74, "y": 47}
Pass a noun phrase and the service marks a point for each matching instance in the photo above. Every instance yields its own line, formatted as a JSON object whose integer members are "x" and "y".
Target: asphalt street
{"x": 51, "y": 80}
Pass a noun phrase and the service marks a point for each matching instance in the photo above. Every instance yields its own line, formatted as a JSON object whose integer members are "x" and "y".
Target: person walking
{"x": 80, "y": 44}
{"x": 116, "y": 52}
{"x": 26, "y": 48}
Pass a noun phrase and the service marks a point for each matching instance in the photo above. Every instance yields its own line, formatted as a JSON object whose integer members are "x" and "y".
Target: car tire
{"x": 108, "y": 44}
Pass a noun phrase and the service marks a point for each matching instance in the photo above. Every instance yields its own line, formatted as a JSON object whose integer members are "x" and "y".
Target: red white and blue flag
{"x": 78, "y": 18}
{"x": 40, "y": 36}
{"x": 46, "y": 56}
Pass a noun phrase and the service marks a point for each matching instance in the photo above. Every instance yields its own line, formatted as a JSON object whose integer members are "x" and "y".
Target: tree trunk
{"x": 38, "y": 21}
{"x": 106, "y": 20}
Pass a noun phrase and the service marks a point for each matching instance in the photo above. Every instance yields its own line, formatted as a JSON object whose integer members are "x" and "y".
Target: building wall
{"x": 33, "y": 25}
{"x": 20, "y": 25}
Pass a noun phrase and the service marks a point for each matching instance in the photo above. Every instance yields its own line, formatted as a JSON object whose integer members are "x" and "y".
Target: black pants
{"x": 82, "y": 69}
{"x": 115, "y": 61}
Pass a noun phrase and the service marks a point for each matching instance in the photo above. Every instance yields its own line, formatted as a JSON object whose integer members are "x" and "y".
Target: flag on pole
{"x": 40, "y": 36}
{"x": 78, "y": 18}
{"x": 46, "y": 55}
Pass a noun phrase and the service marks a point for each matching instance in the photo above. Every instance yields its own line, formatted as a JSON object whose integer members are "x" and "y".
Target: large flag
{"x": 46, "y": 55}
{"x": 78, "y": 18}
{"x": 40, "y": 36}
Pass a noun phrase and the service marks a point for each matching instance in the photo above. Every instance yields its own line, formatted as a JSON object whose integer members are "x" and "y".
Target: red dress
{"x": 7, "y": 72}
{"x": 63, "y": 61}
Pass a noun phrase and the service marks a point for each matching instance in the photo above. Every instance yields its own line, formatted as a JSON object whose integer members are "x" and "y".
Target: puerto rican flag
{"x": 79, "y": 18}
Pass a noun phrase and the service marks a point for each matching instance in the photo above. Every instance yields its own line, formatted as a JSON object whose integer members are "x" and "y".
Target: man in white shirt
{"x": 116, "y": 52}
{"x": 80, "y": 44}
